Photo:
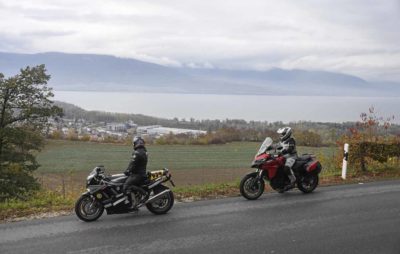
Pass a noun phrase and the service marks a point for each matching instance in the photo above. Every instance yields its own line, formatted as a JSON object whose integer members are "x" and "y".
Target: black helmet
{"x": 284, "y": 133}
{"x": 138, "y": 142}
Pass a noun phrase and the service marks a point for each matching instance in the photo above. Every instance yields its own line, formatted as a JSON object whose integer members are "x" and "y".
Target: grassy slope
{"x": 64, "y": 156}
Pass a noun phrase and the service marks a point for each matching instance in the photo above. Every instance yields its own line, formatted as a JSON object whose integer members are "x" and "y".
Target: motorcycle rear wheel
{"x": 251, "y": 188}
{"x": 88, "y": 209}
{"x": 308, "y": 183}
{"x": 163, "y": 204}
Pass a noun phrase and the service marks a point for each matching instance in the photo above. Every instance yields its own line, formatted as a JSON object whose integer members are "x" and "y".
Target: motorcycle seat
{"x": 146, "y": 183}
{"x": 304, "y": 157}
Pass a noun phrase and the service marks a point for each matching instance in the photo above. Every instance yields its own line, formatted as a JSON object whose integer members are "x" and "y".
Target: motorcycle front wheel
{"x": 88, "y": 209}
{"x": 250, "y": 187}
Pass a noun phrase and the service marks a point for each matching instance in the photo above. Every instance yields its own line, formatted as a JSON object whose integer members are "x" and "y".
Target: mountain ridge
{"x": 92, "y": 72}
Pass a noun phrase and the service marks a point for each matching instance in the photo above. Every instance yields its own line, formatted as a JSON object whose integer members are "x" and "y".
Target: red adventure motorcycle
{"x": 269, "y": 164}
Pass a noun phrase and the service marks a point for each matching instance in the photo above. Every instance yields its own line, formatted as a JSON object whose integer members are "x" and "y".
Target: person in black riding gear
{"x": 136, "y": 170}
{"x": 287, "y": 146}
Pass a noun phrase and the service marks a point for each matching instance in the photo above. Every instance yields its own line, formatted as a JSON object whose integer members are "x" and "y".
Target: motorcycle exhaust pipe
{"x": 157, "y": 196}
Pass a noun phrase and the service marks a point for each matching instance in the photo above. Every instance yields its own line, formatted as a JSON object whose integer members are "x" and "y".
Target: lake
{"x": 248, "y": 107}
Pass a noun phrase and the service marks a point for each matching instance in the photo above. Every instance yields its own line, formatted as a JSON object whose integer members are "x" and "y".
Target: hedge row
{"x": 378, "y": 151}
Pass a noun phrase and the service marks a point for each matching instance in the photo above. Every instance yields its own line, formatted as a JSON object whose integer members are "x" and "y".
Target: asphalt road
{"x": 339, "y": 219}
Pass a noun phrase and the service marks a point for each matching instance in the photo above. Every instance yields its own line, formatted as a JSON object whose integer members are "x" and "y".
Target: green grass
{"x": 66, "y": 156}
{"x": 207, "y": 190}
{"x": 39, "y": 202}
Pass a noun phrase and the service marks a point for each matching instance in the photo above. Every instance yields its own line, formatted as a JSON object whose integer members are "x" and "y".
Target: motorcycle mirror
{"x": 99, "y": 169}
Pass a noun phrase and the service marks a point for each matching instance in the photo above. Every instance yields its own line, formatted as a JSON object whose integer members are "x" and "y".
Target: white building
{"x": 119, "y": 127}
{"x": 158, "y": 130}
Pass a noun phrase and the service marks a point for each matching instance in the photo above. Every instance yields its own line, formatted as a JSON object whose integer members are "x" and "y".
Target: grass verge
{"x": 46, "y": 203}
{"x": 36, "y": 205}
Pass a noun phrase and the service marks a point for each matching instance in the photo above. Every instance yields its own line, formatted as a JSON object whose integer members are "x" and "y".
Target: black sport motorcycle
{"x": 106, "y": 192}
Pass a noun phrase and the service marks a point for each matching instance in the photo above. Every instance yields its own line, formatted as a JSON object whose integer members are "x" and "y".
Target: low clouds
{"x": 358, "y": 37}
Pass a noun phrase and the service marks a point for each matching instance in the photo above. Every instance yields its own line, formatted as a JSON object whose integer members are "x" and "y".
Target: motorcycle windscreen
{"x": 265, "y": 146}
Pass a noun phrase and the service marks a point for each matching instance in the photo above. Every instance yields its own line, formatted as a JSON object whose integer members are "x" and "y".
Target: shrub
{"x": 361, "y": 152}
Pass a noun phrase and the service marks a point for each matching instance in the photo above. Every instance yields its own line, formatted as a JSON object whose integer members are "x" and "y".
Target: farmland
{"x": 69, "y": 162}
{"x": 72, "y": 156}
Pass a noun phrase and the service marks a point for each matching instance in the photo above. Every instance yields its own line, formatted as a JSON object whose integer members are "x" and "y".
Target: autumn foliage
{"x": 369, "y": 141}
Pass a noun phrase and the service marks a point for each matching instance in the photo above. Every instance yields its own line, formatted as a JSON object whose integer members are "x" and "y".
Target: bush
{"x": 56, "y": 134}
{"x": 16, "y": 182}
{"x": 308, "y": 138}
{"x": 362, "y": 152}
{"x": 369, "y": 141}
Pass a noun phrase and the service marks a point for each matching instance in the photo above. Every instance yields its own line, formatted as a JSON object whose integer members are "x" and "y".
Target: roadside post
{"x": 345, "y": 158}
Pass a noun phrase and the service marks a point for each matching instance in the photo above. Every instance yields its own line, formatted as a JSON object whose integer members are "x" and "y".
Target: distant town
{"x": 97, "y": 126}
{"x": 81, "y": 129}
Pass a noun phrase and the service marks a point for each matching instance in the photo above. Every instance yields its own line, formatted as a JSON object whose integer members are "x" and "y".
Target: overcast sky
{"x": 360, "y": 37}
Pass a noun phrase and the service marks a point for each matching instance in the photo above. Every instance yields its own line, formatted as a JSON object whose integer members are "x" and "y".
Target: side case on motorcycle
{"x": 313, "y": 166}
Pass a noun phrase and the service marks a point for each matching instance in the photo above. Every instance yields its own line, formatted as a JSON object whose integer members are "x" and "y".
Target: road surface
{"x": 358, "y": 218}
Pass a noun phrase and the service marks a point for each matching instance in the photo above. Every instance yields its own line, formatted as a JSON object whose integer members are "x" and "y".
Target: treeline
{"x": 73, "y": 112}
{"x": 226, "y": 135}
{"x": 306, "y": 132}
{"x": 220, "y": 136}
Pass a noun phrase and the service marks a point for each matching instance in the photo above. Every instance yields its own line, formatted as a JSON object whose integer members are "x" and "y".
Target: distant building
{"x": 158, "y": 130}
{"x": 119, "y": 127}
{"x": 143, "y": 130}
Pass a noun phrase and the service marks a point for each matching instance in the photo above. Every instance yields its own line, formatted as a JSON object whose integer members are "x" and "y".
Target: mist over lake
{"x": 247, "y": 107}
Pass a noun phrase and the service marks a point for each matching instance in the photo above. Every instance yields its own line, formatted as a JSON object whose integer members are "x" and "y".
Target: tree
{"x": 25, "y": 107}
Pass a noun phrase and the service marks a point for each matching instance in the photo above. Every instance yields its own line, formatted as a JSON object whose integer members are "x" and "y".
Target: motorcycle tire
{"x": 247, "y": 187}
{"x": 308, "y": 183}
{"x": 81, "y": 208}
{"x": 163, "y": 204}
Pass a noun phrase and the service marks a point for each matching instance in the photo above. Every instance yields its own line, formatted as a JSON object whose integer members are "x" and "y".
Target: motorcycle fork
{"x": 259, "y": 174}
{"x": 93, "y": 199}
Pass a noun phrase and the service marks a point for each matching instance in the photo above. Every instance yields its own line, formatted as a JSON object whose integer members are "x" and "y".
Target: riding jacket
{"x": 288, "y": 146}
{"x": 138, "y": 162}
